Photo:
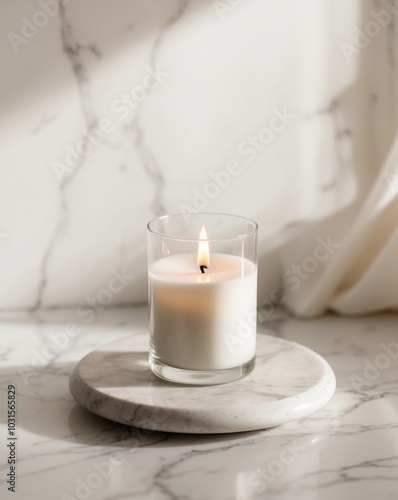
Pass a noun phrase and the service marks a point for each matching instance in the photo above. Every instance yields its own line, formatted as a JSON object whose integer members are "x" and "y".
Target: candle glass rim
{"x": 195, "y": 240}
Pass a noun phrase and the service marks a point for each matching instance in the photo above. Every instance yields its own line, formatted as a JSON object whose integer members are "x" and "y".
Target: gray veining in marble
{"x": 346, "y": 450}
{"x": 289, "y": 382}
{"x": 226, "y": 77}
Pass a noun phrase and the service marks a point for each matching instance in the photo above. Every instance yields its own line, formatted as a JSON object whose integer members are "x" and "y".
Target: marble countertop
{"x": 348, "y": 450}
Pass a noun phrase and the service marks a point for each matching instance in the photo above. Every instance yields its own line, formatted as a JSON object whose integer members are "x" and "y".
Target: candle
{"x": 204, "y": 321}
{"x": 202, "y": 310}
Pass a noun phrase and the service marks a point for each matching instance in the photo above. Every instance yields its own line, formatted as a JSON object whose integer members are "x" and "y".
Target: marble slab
{"x": 348, "y": 450}
{"x": 228, "y": 67}
{"x": 289, "y": 382}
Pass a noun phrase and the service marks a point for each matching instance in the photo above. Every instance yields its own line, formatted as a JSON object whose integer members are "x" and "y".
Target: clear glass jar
{"x": 202, "y": 270}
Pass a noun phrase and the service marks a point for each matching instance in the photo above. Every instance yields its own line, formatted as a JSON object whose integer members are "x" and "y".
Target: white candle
{"x": 203, "y": 321}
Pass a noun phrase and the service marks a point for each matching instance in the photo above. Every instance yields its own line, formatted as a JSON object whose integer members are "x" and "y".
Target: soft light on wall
{"x": 113, "y": 113}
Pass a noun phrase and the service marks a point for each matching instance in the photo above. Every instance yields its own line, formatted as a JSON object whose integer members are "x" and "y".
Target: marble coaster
{"x": 289, "y": 382}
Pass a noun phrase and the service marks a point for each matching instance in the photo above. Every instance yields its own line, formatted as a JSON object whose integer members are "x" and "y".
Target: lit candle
{"x": 203, "y": 309}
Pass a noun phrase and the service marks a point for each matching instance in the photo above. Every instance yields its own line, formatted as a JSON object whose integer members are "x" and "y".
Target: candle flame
{"x": 203, "y": 249}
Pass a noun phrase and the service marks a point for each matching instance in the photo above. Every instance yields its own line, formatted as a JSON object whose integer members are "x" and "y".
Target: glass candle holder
{"x": 202, "y": 271}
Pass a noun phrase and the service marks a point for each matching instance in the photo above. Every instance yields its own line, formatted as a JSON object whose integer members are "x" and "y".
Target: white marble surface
{"x": 289, "y": 382}
{"x": 348, "y": 450}
{"x": 60, "y": 241}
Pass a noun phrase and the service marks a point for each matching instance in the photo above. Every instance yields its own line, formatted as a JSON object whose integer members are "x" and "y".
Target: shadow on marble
{"x": 82, "y": 422}
{"x": 134, "y": 363}
{"x": 46, "y": 408}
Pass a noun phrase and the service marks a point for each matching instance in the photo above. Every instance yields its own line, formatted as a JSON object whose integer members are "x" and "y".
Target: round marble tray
{"x": 288, "y": 382}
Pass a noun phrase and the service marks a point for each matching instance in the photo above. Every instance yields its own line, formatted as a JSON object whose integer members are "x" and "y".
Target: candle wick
{"x": 202, "y": 268}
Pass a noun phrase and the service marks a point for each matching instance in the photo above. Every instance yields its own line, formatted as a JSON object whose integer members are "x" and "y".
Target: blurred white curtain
{"x": 360, "y": 266}
{"x": 342, "y": 254}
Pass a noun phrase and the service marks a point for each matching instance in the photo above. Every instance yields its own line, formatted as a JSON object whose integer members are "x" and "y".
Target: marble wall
{"x": 115, "y": 112}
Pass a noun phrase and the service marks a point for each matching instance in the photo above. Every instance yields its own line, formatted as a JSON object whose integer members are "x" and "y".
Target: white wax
{"x": 203, "y": 321}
